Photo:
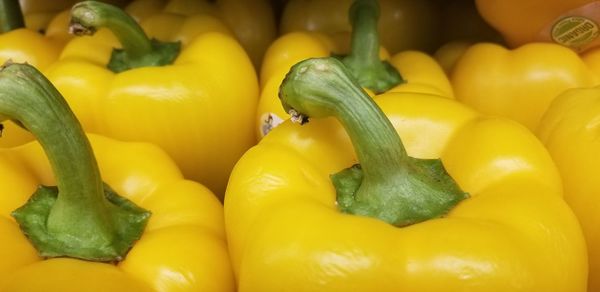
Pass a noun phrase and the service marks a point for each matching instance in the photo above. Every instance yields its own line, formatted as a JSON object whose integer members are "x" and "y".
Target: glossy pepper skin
{"x": 535, "y": 16}
{"x": 404, "y": 24}
{"x": 182, "y": 247}
{"x": 200, "y": 108}
{"x": 514, "y": 233}
{"x": 569, "y": 131}
{"x": 252, "y": 22}
{"x": 418, "y": 72}
{"x": 518, "y": 83}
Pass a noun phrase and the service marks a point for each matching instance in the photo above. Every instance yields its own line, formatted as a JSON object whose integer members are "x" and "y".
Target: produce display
{"x": 299, "y": 145}
{"x": 252, "y": 22}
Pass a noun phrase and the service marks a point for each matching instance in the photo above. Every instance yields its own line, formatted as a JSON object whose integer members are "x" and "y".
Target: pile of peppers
{"x": 299, "y": 145}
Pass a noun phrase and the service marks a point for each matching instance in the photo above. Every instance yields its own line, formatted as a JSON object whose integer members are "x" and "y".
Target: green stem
{"x": 363, "y": 60}
{"x": 138, "y": 50}
{"x": 81, "y": 217}
{"x": 11, "y": 16}
{"x": 388, "y": 184}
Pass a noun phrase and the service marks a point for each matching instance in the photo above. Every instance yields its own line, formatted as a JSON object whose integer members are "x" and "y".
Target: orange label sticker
{"x": 578, "y": 29}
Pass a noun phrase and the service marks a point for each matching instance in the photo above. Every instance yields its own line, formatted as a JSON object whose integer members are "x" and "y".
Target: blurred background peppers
{"x": 193, "y": 94}
{"x": 403, "y": 25}
{"x": 518, "y": 83}
{"x": 22, "y": 44}
{"x": 25, "y": 44}
{"x": 164, "y": 234}
{"x": 39, "y": 13}
{"x": 572, "y": 23}
{"x": 294, "y": 220}
{"x": 252, "y": 22}
{"x": 460, "y": 21}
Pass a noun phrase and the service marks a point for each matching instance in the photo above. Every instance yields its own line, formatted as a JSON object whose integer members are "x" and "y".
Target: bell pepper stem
{"x": 363, "y": 60}
{"x": 81, "y": 217}
{"x": 138, "y": 50}
{"x": 11, "y": 16}
{"x": 388, "y": 184}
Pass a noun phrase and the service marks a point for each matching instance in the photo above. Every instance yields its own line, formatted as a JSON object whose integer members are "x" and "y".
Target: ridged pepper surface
{"x": 300, "y": 212}
{"x": 518, "y": 83}
{"x": 105, "y": 215}
{"x": 569, "y": 129}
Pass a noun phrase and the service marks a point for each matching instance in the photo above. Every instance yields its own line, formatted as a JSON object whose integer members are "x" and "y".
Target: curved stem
{"x": 138, "y": 50}
{"x": 388, "y": 184}
{"x": 363, "y": 60}
{"x": 82, "y": 220}
{"x": 88, "y": 16}
{"x": 11, "y": 16}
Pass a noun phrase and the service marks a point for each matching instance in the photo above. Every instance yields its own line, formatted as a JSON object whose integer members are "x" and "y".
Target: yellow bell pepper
{"x": 408, "y": 71}
{"x": 449, "y": 53}
{"x": 289, "y": 225}
{"x": 404, "y": 24}
{"x": 23, "y": 44}
{"x": 38, "y": 14}
{"x": 199, "y": 107}
{"x": 163, "y": 234}
{"x": 569, "y": 130}
{"x": 252, "y": 22}
{"x": 573, "y": 23}
{"x": 518, "y": 83}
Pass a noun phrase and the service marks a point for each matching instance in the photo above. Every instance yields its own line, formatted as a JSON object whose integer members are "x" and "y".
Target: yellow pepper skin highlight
{"x": 199, "y": 108}
{"x": 180, "y": 248}
{"x": 513, "y": 233}
{"x": 520, "y": 83}
{"x": 252, "y": 22}
{"x": 569, "y": 130}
